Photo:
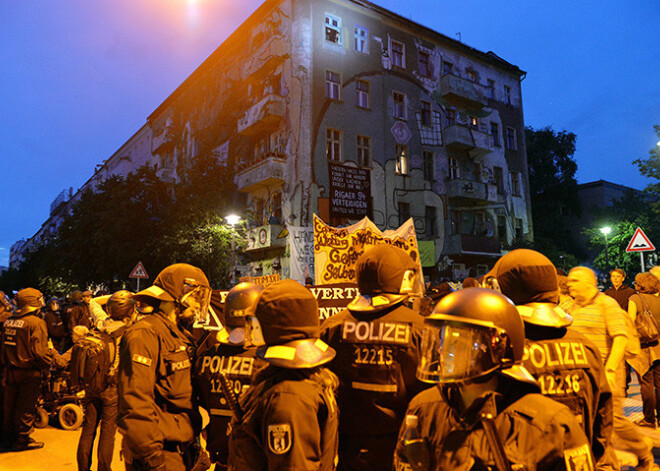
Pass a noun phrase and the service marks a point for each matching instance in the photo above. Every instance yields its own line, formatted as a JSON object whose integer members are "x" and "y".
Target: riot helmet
{"x": 53, "y": 301}
{"x": 28, "y": 300}
{"x": 471, "y": 333}
{"x": 239, "y": 302}
{"x": 76, "y": 296}
{"x": 120, "y": 305}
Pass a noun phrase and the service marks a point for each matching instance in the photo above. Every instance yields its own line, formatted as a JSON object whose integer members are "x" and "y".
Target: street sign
{"x": 139, "y": 272}
{"x": 639, "y": 242}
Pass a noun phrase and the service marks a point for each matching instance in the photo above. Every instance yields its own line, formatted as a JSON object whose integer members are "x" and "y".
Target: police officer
{"x": 377, "y": 339}
{"x": 101, "y": 408}
{"x": 54, "y": 324}
{"x": 289, "y": 414}
{"x": 157, "y": 416}
{"x": 231, "y": 357}
{"x": 486, "y": 412}
{"x": 565, "y": 363}
{"x": 26, "y": 355}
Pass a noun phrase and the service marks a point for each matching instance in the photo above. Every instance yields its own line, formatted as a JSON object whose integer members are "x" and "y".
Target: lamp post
{"x": 232, "y": 220}
{"x": 605, "y": 231}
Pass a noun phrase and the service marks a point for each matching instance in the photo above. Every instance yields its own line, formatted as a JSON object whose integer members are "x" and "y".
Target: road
{"x": 58, "y": 454}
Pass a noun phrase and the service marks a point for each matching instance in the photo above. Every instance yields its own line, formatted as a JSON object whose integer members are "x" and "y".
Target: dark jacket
{"x": 25, "y": 343}
{"x": 156, "y": 406}
{"x": 54, "y": 324}
{"x": 290, "y": 422}
{"x": 621, "y": 295}
{"x": 536, "y": 432}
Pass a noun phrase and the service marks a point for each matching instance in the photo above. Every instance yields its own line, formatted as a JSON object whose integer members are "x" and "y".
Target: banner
{"x": 301, "y": 242}
{"x": 333, "y": 298}
{"x": 337, "y": 249}
{"x": 350, "y": 191}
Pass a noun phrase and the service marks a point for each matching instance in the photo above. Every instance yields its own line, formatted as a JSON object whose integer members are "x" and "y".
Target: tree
{"x": 650, "y": 168}
{"x": 553, "y": 188}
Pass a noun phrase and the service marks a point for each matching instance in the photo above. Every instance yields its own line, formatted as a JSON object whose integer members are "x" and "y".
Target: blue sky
{"x": 79, "y": 77}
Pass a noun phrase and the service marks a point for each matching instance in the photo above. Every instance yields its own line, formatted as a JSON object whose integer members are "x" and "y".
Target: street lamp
{"x": 232, "y": 220}
{"x": 605, "y": 231}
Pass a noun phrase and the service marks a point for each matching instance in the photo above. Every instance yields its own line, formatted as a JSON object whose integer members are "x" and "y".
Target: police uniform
{"x": 55, "y": 325}
{"x": 157, "y": 416}
{"x": 537, "y": 433}
{"x": 26, "y": 355}
{"x": 238, "y": 364}
{"x": 377, "y": 354}
{"x": 289, "y": 414}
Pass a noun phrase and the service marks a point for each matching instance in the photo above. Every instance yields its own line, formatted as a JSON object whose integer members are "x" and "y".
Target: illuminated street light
{"x": 232, "y": 219}
{"x": 606, "y": 231}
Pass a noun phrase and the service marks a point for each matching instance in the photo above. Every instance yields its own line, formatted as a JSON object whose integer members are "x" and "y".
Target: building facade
{"x": 344, "y": 109}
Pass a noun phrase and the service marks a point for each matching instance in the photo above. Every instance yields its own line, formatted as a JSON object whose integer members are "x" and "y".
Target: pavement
{"x": 59, "y": 452}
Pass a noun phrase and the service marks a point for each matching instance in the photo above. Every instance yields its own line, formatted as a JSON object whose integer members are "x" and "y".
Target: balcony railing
{"x": 466, "y": 91}
{"x": 462, "y": 137}
{"x": 473, "y": 244}
{"x": 264, "y": 237}
{"x": 266, "y": 170}
{"x": 474, "y": 191}
{"x": 262, "y": 115}
{"x": 266, "y": 56}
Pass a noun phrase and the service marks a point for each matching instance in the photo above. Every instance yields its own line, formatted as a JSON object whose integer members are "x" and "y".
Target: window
{"x": 332, "y": 85}
{"x": 518, "y": 228}
{"x": 363, "y": 150}
{"x": 455, "y": 220}
{"x": 424, "y": 64}
{"x": 515, "y": 183}
{"x": 332, "y": 28}
{"x": 451, "y": 117}
{"x": 495, "y": 132}
{"x": 476, "y": 171}
{"x": 401, "y": 159}
{"x": 333, "y": 145}
{"x": 398, "y": 54}
{"x": 428, "y": 159}
{"x": 501, "y": 227}
{"x": 404, "y": 212}
{"x": 472, "y": 75}
{"x": 473, "y": 122}
{"x": 399, "y": 105}
{"x": 510, "y": 138}
{"x": 361, "y": 36}
{"x": 491, "y": 89}
{"x": 425, "y": 113}
{"x": 430, "y": 221}
{"x": 362, "y": 91}
{"x": 498, "y": 174}
{"x": 454, "y": 171}
{"x": 447, "y": 68}
{"x": 507, "y": 94}
{"x": 479, "y": 223}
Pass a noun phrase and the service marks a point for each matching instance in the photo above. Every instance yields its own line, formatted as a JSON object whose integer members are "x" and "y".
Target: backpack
{"x": 647, "y": 326}
{"x": 91, "y": 363}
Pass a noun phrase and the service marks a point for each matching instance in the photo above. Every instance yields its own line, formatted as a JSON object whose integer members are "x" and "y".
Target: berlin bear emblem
{"x": 279, "y": 438}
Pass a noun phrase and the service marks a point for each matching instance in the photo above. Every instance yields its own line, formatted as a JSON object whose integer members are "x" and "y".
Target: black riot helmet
{"x": 120, "y": 305}
{"x": 240, "y": 302}
{"x": 471, "y": 333}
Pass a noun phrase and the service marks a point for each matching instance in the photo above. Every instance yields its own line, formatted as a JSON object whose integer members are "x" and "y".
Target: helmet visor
{"x": 455, "y": 352}
{"x": 196, "y": 300}
{"x": 254, "y": 336}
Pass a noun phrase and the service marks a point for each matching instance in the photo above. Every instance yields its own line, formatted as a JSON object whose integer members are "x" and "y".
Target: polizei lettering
{"x": 15, "y": 323}
{"x": 238, "y": 366}
{"x": 375, "y": 332}
{"x": 555, "y": 355}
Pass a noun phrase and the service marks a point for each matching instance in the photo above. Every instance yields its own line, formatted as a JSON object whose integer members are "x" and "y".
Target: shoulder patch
{"x": 279, "y": 438}
{"x": 141, "y": 359}
{"x": 579, "y": 459}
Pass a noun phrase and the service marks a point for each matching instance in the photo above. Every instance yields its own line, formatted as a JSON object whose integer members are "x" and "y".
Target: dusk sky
{"x": 80, "y": 77}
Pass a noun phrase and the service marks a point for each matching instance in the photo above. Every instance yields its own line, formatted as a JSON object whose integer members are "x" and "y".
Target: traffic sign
{"x": 639, "y": 242}
{"x": 139, "y": 272}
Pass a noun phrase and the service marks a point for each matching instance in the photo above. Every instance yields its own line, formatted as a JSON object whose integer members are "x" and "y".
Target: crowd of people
{"x": 526, "y": 367}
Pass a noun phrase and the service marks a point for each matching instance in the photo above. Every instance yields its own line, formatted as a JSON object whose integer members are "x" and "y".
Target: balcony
{"x": 464, "y": 91}
{"x": 464, "y": 138}
{"x": 267, "y": 170}
{"x": 266, "y": 57}
{"x": 472, "y": 244}
{"x": 460, "y": 190}
{"x": 262, "y": 116}
{"x": 265, "y": 237}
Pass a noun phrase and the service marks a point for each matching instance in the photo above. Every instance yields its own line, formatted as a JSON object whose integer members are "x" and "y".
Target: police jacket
{"x": 156, "y": 408}
{"x": 54, "y": 324}
{"x": 535, "y": 431}
{"x": 25, "y": 343}
{"x": 289, "y": 422}
{"x": 377, "y": 356}
{"x": 238, "y": 364}
{"x": 77, "y": 314}
{"x": 569, "y": 370}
